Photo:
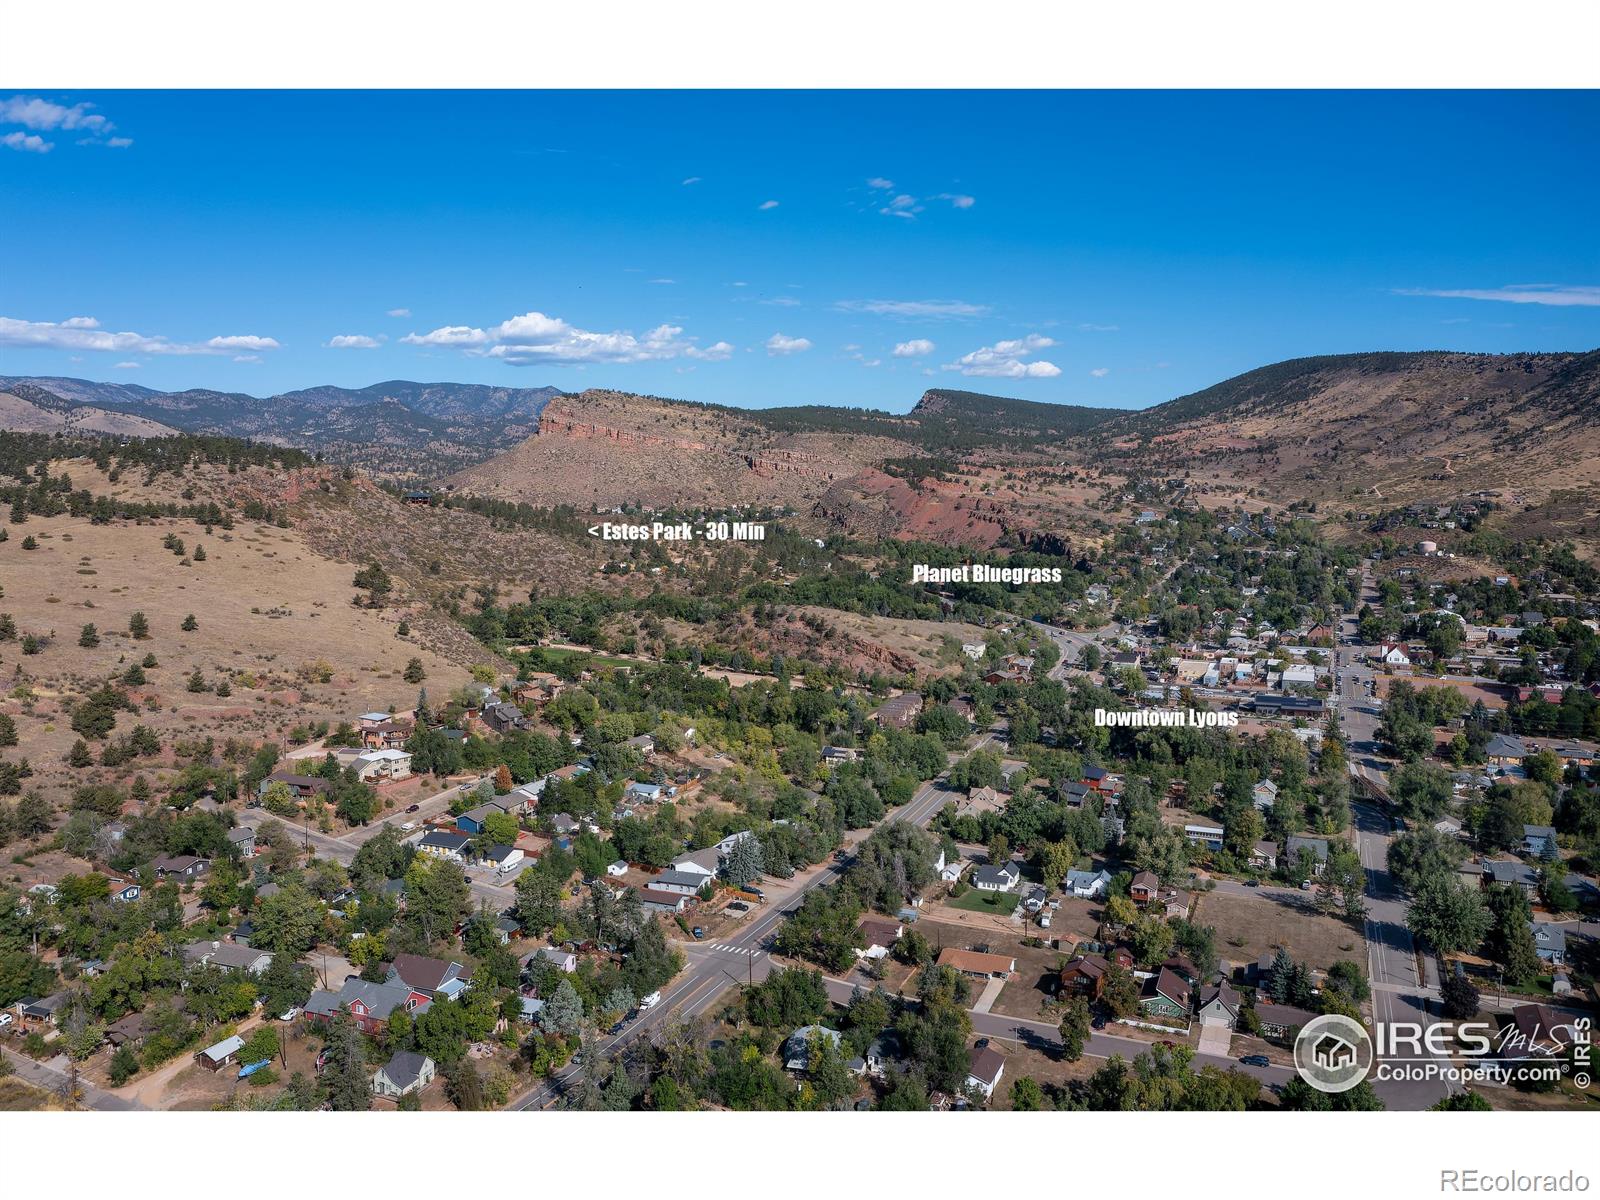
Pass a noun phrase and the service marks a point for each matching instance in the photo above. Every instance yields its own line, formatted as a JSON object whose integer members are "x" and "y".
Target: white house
{"x": 1394, "y": 654}
{"x": 403, "y": 1074}
{"x": 985, "y": 1068}
{"x": 1088, "y": 885}
{"x": 1264, "y": 795}
{"x": 378, "y": 765}
{"x": 1002, "y": 878}
{"x": 617, "y": 869}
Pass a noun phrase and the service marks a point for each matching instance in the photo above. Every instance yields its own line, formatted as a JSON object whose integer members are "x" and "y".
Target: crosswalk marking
{"x": 727, "y": 949}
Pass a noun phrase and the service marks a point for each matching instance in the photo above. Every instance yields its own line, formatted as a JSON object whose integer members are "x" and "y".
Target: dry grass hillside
{"x": 275, "y": 621}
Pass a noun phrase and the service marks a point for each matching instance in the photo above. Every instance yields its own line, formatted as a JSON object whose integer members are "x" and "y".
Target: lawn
{"x": 973, "y": 900}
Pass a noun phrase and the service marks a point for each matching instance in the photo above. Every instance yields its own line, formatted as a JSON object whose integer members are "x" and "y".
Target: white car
{"x": 291, "y": 1014}
{"x": 407, "y": 826}
{"x": 650, "y": 1001}
{"x": 5, "y": 1019}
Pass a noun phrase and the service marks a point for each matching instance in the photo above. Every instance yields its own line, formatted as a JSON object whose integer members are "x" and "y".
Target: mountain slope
{"x": 397, "y": 428}
{"x": 1408, "y": 425}
{"x": 28, "y": 408}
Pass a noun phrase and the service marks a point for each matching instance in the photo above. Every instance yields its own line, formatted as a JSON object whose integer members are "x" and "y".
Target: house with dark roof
{"x": 1317, "y": 847}
{"x": 440, "y": 843}
{"x": 1539, "y": 841}
{"x": 898, "y": 711}
{"x": 369, "y": 1004}
{"x": 1166, "y": 995}
{"x": 404, "y": 1073}
{"x": 1281, "y": 1022}
{"x": 985, "y": 1068}
{"x": 427, "y": 977}
{"x": 1002, "y": 878}
{"x": 1511, "y": 872}
{"x": 1084, "y": 975}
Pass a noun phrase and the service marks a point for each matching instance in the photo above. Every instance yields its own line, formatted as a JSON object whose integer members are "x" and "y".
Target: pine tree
{"x": 345, "y": 1075}
{"x": 79, "y": 755}
{"x": 89, "y": 638}
{"x": 414, "y": 672}
{"x": 199, "y": 552}
{"x": 189, "y": 624}
{"x": 8, "y": 628}
{"x": 139, "y": 626}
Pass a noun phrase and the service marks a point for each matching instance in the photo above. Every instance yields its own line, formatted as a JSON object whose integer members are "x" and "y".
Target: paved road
{"x": 343, "y": 849}
{"x": 1041, "y": 1035}
{"x": 742, "y": 958}
{"x": 51, "y": 1079}
{"x": 1399, "y": 992}
{"x": 1071, "y": 643}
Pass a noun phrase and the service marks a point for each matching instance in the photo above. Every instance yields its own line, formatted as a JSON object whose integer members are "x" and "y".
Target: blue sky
{"x": 779, "y": 248}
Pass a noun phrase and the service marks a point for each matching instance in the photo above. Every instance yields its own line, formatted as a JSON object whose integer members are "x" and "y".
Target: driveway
{"x": 1216, "y": 1039}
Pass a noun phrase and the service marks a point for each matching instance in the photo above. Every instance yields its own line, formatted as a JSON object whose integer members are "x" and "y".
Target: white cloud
{"x": 767, "y": 204}
{"x": 1091, "y": 327}
{"x": 84, "y": 333}
{"x": 738, "y": 283}
{"x": 535, "y": 337}
{"x": 1555, "y": 294}
{"x": 399, "y": 312}
{"x": 780, "y": 344}
{"x": 1005, "y": 359}
{"x": 32, "y": 112}
{"x": 914, "y": 308}
{"x": 879, "y": 183}
{"x": 32, "y": 143}
{"x": 353, "y": 341}
{"x": 1100, "y": 372}
{"x": 247, "y": 358}
{"x": 127, "y": 366}
{"x": 716, "y": 352}
{"x": 782, "y": 301}
{"x": 243, "y": 341}
{"x": 663, "y": 281}
{"x": 691, "y": 179}
{"x": 957, "y": 200}
{"x": 915, "y": 348}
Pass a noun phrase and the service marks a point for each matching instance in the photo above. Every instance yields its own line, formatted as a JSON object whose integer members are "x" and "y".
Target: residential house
{"x": 1209, "y": 836}
{"x": 1504, "y": 750}
{"x": 1539, "y": 841}
{"x": 303, "y": 786}
{"x": 404, "y": 1073}
{"x": 1220, "y": 1004}
{"x": 799, "y": 1046}
{"x": 1550, "y": 942}
{"x": 1144, "y": 888}
{"x": 1264, "y": 795}
{"x": 1281, "y": 1022}
{"x": 1088, "y": 885}
{"x": 644, "y": 793}
{"x": 378, "y": 766}
{"x": 617, "y": 869}
{"x": 705, "y": 863}
{"x": 563, "y": 960}
{"x": 45, "y": 1010}
{"x": 386, "y": 735}
{"x": 1512, "y": 873}
{"x": 1534, "y": 1031}
{"x": 1317, "y": 847}
{"x": 369, "y": 1004}
{"x": 644, "y": 744}
{"x": 214, "y": 1058}
{"x": 949, "y": 868}
{"x": 1084, "y": 975}
{"x": 1002, "y": 878}
{"x": 663, "y": 902}
{"x": 681, "y": 883}
{"x": 243, "y": 839}
{"x": 227, "y": 956}
{"x": 1394, "y": 654}
{"x": 1165, "y": 995}
{"x": 428, "y": 977}
{"x": 899, "y": 711}
{"x": 985, "y": 1067}
{"x": 440, "y": 843}
{"x": 500, "y": 858}
{"x": 877, "y": 937}
{"x": 975, "y": 962}
{"x": 180, "y": 867}
{"x": 1264, "y": 855}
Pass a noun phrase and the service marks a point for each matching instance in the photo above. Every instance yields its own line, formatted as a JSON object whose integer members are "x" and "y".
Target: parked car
{"x": 754, "y": 891}
{"x": 290, "y": 1014}
{"x": 1252, "y": 883}
{"x": 1044, "y": 920}
{"x": 650, "y": 1001}
{"x": 1256, "y": 1060}
{"x": 6, "y": 1019}
{"x": 407, "y": 826}
{"x": 738, "y": 906}
{"x": 698, "y": 933}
